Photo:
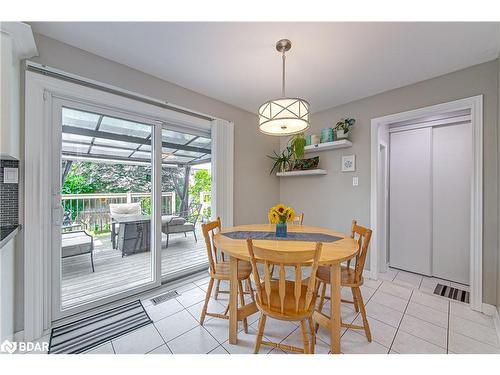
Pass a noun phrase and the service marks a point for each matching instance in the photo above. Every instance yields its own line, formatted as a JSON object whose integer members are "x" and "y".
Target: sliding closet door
{"x": 452, "y": 165}
{"x": 411, "y": 202}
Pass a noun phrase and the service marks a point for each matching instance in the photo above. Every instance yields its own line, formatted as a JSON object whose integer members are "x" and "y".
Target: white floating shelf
{"x": 308, "y": 172}
{"x": 341, "y": 143}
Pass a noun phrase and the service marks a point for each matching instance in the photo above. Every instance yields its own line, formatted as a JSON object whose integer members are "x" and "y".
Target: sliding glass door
{"x": 105, "y": 234}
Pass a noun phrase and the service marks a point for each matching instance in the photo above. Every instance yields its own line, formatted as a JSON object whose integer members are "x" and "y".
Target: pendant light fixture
{"x": 284, "y": 116}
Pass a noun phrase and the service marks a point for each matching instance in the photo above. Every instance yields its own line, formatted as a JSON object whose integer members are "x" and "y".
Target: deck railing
{"x": 93, "y": 209}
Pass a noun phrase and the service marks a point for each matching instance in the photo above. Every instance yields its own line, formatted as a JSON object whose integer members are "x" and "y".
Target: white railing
{"x": 93, "y": 209}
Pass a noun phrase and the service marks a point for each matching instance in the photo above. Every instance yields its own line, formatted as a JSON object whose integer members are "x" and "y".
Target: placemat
{"x": 291, "y": 236}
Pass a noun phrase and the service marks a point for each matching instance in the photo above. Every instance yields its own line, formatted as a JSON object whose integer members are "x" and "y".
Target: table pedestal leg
{"x": 233, "y": 300}
{"x": 335, "y": 308}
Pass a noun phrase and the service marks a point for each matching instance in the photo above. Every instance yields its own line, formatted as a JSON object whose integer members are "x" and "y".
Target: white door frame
{"x": 475, "y": 105}
{"x": 39, "y": 90}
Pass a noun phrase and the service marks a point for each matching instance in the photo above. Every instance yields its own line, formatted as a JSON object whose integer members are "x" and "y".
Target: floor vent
{"x": 165, "y": 297}
{"x": 452, "y": 293}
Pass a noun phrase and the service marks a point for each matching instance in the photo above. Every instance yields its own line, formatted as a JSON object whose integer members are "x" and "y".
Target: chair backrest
{"x": 364, "y": 236}
{"x": 299, "y": 219}
{"x": 118, "y": 210}
{"x": 209, "y": 229}
{"x": 282, "y": 259}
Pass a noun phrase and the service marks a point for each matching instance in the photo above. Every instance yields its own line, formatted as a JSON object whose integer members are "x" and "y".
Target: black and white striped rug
{"x": 452, "y": 293}
{"x": 84, "y": 334}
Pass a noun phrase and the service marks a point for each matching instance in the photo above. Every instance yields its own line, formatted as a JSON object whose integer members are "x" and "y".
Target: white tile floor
{"x": 404, "y": 315}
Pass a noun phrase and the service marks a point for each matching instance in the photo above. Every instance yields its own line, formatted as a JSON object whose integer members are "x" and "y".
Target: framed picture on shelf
{"x": 349, "y": 163}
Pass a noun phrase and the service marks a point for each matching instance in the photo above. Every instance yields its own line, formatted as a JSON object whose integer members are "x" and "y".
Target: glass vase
{"x": 281, "y": 230}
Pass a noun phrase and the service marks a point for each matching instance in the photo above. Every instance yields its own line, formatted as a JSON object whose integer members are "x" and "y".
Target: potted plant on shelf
{"x": 343, "y": 128}
{"x": 298, "y": 144}
{"x": 280, "y": 215}
{"x": 282, "y": 162}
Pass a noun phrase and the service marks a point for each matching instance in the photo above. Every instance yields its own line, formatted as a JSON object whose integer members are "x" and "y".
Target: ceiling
{"x": 329, "y": 64}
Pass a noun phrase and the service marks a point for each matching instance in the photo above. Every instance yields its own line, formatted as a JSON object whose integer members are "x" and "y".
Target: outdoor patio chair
{"x": 183, "y": 222}
{"x": 77, "y": 243}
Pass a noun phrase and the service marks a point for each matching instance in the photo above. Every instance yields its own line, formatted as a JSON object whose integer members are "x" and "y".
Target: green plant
{"x": 345, "y": 124}
{"x": 281, "y": 161}
{"x": 298, "y": 144}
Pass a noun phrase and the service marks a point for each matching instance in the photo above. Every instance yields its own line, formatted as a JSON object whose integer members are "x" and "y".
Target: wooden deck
{"x": 114, "y": 274}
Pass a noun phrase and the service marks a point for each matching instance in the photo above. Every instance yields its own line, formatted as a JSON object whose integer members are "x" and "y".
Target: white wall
{"x": 332, "y": 201}
{"x": 9, "y": 145}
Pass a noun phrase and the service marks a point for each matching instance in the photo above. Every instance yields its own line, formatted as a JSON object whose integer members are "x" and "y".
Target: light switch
{"x": 355, "y": 181}
{"x": 10, "y": 175}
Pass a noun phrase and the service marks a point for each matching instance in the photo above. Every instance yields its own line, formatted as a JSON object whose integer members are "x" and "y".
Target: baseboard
{"x": 496, "y": 320}
{"x": 488, "y": 309}
{"x": 19, "y": 336}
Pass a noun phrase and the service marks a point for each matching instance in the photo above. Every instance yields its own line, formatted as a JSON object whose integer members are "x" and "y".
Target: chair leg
{"x": 185, "y": 234}
{"x": 216, "y": 293}
{"x": 194, "y": 234}
{"x": 260, "y": 333}
{"x": 313, "y": 334}
{"x": 250, "y": 289}
{"x": 242, "y": 303}
{"x": 207, "y": 299}
{"x": 92, "y": 260}
{"x": 167, "y": 239}
{"x": 355, "y": 300}
{"x": 321, "y": 303}
{"x": 361, "y": 305}
{"x": 305, "y": 338}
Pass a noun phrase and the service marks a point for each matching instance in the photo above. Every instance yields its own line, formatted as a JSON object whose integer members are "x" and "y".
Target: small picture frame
{"x": 349, "y": 163}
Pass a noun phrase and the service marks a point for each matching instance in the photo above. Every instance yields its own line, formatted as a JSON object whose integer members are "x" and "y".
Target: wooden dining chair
{"x": 219, "y": 270}
{"x": 285, "y": 299}
{"x": 299, "y": 219}
{"x": 351, "y": 278}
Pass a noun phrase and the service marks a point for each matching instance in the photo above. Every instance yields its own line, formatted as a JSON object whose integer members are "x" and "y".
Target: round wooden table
{"x": 332, "y": 254}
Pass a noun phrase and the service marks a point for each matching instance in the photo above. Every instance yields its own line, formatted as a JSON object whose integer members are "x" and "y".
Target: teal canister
{"x": 326, "y": 135}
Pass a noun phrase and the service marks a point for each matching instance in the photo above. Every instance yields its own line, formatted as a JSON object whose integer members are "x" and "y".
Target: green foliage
{"x": 202, "y": 182}
{"x": 76, "y": 183}
{"x": 298, "y": 144}
{"x": 282, "y": 161}
{"x": 345, "y": 124}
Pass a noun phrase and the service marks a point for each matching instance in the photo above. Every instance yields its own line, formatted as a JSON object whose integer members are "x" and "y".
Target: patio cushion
{"x": 75, "y": 243}
{"x": 172, "y": 220}
{"x": 186, "y": 227}
{"x": 120, "y": 210}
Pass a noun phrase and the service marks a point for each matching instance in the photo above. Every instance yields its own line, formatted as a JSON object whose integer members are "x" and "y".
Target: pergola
{"x": 88, "y": 136}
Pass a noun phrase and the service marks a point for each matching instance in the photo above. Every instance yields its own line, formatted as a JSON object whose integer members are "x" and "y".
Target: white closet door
{"x": 411, "y": 200}
{"x": 452, "y": 165}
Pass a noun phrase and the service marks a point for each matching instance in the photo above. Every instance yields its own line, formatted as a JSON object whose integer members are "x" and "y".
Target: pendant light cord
{"x": 283, "y": 77}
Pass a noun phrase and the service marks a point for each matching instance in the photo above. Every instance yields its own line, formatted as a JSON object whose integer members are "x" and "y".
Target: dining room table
{"x": 337, "y": 248}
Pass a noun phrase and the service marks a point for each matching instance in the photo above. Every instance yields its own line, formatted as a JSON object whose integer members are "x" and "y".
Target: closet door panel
{"x": 452, "y": 165}
{"x": 410, "y": 237}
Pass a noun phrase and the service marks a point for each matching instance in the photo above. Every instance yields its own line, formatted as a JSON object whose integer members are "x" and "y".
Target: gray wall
{"x": 332, "y": 201}
{"x": 498, "y": 116}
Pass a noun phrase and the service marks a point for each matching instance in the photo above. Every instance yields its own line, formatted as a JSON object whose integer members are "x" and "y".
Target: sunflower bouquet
{"x": 281, "y": 214}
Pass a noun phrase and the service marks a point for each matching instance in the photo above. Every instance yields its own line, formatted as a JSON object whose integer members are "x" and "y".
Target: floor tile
{"x": 428, "y": 314}
{"x": 139, "y": 341}
{"x": 195, "y": 341}
{"x": 389, "y": 300}
{"x": 218, "y": 350}
{"x": 191, "y": 297}
{"x": 381, "y": 332}
{"x": 277, "y": 351}
{"x": 213, "y": 307}
{"x": 164, "y": 309}
{"x": 161, "y": 350}
{"x": 353, "y": 343}
{"x": 106, "y": 348}
{"x": 464, "y": 311}
{"x": 408, "y": 279}
{"x": 246, "y": 343}
{"x": 424, "y": 330}
{"x": 389, "y": 275}
{"x": 202, "y": 280}
{"x": 404, "y": 343}
{"x": 218, "y": 328}
{"x": 374, "y": 284}
{"x": 461, "y": 344}
{"x": 383, "y": 313}
{"x": 395, "y": 290}
{"x": 433, "y": 301}
{"x": 367, "y": 292}
{"x": 476, "y": 331}
{"x": 295, "y": 339}
{"x": 175, "y": 325}
{"x": 276, "y": 330}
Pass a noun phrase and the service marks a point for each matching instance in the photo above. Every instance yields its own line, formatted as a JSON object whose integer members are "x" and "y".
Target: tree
{"x": 202, "y": 182}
